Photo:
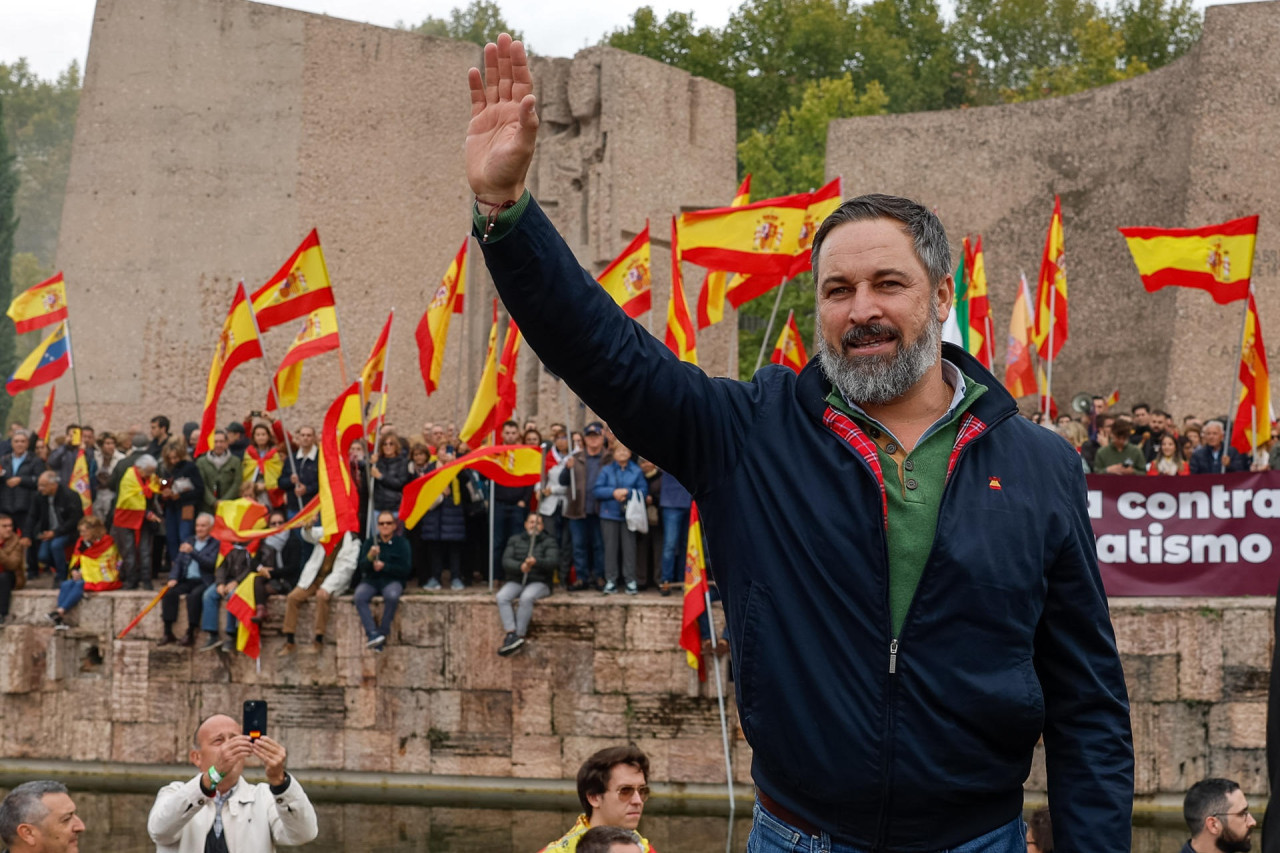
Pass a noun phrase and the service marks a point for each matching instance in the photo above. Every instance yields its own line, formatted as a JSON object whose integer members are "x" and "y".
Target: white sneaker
{"x": 376, "y": 641}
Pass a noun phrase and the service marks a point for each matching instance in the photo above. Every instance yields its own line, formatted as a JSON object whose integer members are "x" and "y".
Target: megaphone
{"x": 1082, "y": 403}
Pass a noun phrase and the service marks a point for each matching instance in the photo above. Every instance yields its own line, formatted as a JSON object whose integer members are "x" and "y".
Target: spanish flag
{"x": 789, "y": 351}
{"x": 742, "y": 287}
{"x": 711, "y": 296}
{"x": 695, "y": 595}
{"x": 1051, "y": 291}
{"x": 433, "y": 328}
{"x": 298, "y": 288}
{"x": 375, "y": 415}
{"x": 267, "y": 466}
{"x": 1019, "y": 372}
{"x": 1113, "y": 398}
{"x": 1216, "y": 258}
{"x": 98, "y": 564}
{"x": 46, "y": 415}
{"x": 49, "y": 360}
{"x": 507, "y": 376}
{"x": 759, "y": 238}
{"x": 506, "y": 464}
{"x": 374, "y": 370}
{"x": 339, "y": 497}
{"x": 131, "y": 501}
{"x": 980, "y": 337}
{"x": 1255, "y": 391}
{"x": 627, "y": 279}
{"x": 319, "y": 334}
{"x": 39, "y": 306}
{"x": 80, "y": 480}
{"x": 681, "y": 337}
{"x": 244, "y": 606}
{"x": 237, "y": 343}
{"x": 231, "y": 520}
{"x": 822, "y": 203}
{"x": 478, "y": 424}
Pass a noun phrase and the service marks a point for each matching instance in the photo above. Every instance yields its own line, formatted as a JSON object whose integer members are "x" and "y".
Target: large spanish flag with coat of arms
{"x": 1215, "y": 258}
{"x": 628, "y": 278}
{"x": 298, "y": 288}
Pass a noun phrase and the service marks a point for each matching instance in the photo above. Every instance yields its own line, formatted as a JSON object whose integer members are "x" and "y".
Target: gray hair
{"x": 926, "y": 232}
{"x": 50, "y": 477}
{"x": 1219, "y": 424}
{"x": 21, "y": 432}
{"x": 25, "y": 804}
{"x": 146, "y": 460}
{"x": 205, "y": 516}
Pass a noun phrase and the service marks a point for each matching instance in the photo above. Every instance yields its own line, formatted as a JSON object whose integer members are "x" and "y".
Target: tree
{"x": 906, "y": 47}
{"x": 8, "y": 229}
{"x": 1156, "y": 32}
{"x": 40, "y": 122}
{"x": 675, "y": 41}
{"x": 480, "y": 22}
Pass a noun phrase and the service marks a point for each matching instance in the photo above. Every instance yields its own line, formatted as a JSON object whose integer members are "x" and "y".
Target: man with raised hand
{"x": 928, "y": 604}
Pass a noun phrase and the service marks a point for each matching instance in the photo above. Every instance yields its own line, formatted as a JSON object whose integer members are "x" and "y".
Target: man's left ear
{"x": 945, "y": 293}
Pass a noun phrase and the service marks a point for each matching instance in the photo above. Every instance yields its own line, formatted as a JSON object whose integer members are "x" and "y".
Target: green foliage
{"x": 8, "y": 228}
{"x": 673, "y": 40}
{"x": 1156, "y": 32}
{"x": 40, "y": 123}
{"x": 480, "y": 22}
{"x": 1099, "y": 60}
{"x": 754, "y": 317}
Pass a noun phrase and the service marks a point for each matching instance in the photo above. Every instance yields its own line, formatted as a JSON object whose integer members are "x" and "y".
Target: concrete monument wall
{"x": 595, "y": 672}
{"x": 1188, "y": 145}
{"x": 213, "y": 134}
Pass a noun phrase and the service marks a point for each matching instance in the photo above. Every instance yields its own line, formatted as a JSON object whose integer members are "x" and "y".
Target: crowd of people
{"x": 1153, "y": 442}
{"x": 151, "y": 509}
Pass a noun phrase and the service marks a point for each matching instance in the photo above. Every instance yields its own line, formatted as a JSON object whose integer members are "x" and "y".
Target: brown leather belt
{"x": 783, "y": 814}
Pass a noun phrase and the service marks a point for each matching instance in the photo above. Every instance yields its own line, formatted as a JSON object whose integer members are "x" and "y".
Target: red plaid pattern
{"x": 843, "y": 426}
{"x": 970, "y": 428}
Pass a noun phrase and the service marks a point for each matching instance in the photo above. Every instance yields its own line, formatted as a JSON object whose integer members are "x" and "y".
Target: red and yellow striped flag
{"x": 711, "y": 297}
{"x": 980, "y": 337}
{"x": 695, "y": 595}
{"x": 319, "y": 334}
{"x": 505, "y": 464}
{"x": 338, "y": 496}
{"x": 479, "y": 423}
{"x": 1255, "y": 391}
{"x": 681, "y": 337}
{"x": 507, "y": 377}
{"x": 1216, "y": 258}
{"x": 46, "y": 415}
{"x": 237, "y": 343}
{"x": 374, "y": 370}
{"x": 433, "y": 328}
{"x": 41, "y": 305}
{"x": 244, "y": 606}
{"x": 628, "y": 278}
{"x": 298, "y": 288}
{"x": 789, "y": 351}
{"x": 1020, "y": 372}
{"x": 822, "y": 203}
{"x": 759, "y": 238}
{"x": 1051, "y": 291}
{"x": 80, "y": 480}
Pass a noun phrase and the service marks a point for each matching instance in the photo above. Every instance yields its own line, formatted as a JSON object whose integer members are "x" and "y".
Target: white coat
{"x": 253, "y": 819}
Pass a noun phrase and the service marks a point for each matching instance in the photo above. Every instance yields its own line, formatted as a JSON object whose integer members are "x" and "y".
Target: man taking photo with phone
{"x": 217, "y": 811}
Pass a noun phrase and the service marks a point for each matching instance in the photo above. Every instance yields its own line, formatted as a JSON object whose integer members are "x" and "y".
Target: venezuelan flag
{"x": 46, "y": 363}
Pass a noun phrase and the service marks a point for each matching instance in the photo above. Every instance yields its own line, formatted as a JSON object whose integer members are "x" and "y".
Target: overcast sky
{"x": 51, "y": 33}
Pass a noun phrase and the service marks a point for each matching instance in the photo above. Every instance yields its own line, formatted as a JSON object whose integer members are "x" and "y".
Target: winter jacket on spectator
{"x": 581, "y": 479}
{"x": 397, "y": 562}
{"x": 16, "y": 500}
{"x": 614, "y": 476}
{"x": 447, "y": 520}
{"x": 546, "y": 558}
{"x": 203, "y": 554}
{"x": 187, "y": 485}
{"x": 68, "y": 506}
{"x": 387, "y": 489}
{"x": 1205, "y": 461}
{"x": 674, "y": 494}
{"x": 308, "y": 471}
{"x": 220, "y": 477}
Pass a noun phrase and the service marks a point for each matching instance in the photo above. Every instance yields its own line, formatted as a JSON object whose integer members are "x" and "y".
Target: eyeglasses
{"x": 386, "y": 524}
{"x": 626, "y": 792}
{"x": 1244, "y": 812}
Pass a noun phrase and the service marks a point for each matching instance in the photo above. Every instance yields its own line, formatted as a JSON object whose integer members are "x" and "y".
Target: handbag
{"x": 636, "y": 514}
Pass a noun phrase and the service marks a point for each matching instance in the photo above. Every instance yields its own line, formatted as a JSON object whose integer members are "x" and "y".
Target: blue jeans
{"x": 53, "y": 552}
{"x": 69, "y": 594}
{"x": 589, "y": 563}
{"x": 771, "y": 835}
{"x": 176, "y": 531}
{"x": 675, "y": 542}
{"x": 211, "y": 603}
{"x": 390, "y": 593}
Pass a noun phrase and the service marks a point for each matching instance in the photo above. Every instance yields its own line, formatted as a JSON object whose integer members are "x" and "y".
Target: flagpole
{"x": 715, "y": 662}
{"x": 491, "y": 536}
{"x": 769, "y": 329}
{"x": 75, "y": 383}
{"x": 462, "y": 347}
{"x": 386, "y": 368}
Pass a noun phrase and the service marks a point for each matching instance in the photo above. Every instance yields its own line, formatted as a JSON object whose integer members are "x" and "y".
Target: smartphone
{"x": 255, "y": 718}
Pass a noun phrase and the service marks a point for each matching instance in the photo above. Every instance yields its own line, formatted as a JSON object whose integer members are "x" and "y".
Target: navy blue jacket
{"x": 1202, "y": 462}
{"x": 204, "y": 555}
{"x": 1008, "y": 635}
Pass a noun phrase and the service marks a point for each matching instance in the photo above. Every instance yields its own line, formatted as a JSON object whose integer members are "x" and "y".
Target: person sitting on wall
{"x": 40, "y": 817}
{"x": 613, "y": 786}
{"x": 95, "y": 566}
{"x": 385, "y": 567}
{"x": 529, "y": 561}
{"x": 192, "y": 573}
{"x": 1217, "y": 814}
{"x": 217, "y": 811}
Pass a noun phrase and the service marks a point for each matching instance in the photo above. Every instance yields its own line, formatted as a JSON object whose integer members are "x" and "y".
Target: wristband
{"x": 214, "y": 776}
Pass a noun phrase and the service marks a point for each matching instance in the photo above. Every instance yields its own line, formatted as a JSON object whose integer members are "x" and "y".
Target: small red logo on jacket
{"x": 994, "y": 483}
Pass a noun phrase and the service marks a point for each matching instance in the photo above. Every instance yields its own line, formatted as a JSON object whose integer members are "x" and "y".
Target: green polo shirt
{"x": 913, "y": 485}
{"x": 1108, "y": 456}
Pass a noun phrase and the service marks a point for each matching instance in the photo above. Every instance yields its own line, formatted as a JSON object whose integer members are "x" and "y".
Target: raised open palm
{"x": 504, "y": 123}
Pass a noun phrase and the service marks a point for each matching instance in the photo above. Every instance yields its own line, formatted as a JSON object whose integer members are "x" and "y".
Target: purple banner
{"x": 1192, "y": 535}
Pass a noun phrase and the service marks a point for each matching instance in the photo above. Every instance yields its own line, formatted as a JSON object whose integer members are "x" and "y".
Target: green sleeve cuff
{"x": 503, "y": 225}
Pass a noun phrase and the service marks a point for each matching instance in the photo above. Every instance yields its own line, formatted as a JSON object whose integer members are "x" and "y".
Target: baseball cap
{"x": 594, "y": 428}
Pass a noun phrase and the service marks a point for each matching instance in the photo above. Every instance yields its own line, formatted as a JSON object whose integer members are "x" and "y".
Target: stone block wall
{"x": 596, "y": 672}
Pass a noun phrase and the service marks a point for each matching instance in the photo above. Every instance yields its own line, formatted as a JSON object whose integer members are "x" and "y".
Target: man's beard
{"x": 877, "y": 379}
{"x": 1241, "y": 844}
